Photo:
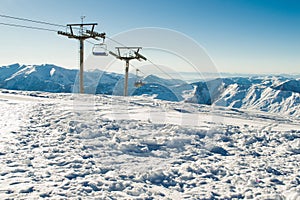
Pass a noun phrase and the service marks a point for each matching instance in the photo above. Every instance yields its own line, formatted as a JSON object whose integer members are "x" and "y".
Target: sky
{"x": 240, "y": 36}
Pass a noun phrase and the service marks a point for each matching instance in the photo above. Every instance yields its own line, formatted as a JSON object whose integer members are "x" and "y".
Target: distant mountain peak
{"x": 275, "y": 94}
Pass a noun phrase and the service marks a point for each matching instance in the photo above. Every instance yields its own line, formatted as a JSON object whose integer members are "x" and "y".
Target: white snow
{"x": 25, "y": 70}
{"x": 30, "y": 69}
{"x": 52, "y": 72}
{"x": 64, "y": 146}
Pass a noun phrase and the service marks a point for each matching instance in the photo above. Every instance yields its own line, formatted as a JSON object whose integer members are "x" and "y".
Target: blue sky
{"x": 241, "y": 36}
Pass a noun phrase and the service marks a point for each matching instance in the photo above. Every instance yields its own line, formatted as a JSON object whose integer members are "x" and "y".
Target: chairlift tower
{"x": 81, "y": 36}
{"x": 133, "y": 53}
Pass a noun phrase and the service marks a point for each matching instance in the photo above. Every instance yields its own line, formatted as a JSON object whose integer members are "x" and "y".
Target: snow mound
{"x": 63, "y": 146}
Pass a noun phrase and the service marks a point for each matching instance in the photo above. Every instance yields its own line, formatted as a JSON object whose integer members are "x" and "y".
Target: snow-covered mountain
{"x": 51, "y": 78}
{"x": 272, "y": 94}
{"x": 164, "y": 89}
{"x": 275, "y": 94}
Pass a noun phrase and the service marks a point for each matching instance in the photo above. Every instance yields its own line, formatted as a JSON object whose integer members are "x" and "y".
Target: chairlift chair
{"x": 138, "y": 83}
{"x": 100, "y": 50}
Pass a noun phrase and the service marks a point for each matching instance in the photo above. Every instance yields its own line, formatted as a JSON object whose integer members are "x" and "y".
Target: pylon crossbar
{"x": 81, "y": 37}
{"x": 95, "y": 34}
{"x": 86, "y": 24}
{"x": 136, "y": 55}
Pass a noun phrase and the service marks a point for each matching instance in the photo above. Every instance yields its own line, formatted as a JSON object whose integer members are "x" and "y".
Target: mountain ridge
{"x": 275, "y": 94}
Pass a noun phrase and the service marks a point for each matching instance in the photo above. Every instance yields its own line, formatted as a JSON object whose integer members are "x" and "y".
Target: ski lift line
{"x": 29, "y": 27}
{"x": 161, "y": 69}
{"x": 137, "y": 69}
{"x": 117, "y": 42}
{"x": 59, "y": 25}
{"x": 147, "y": 59}
{"x": 131, "y": 64}
{"x": 90, "y": 42}
{"x": 30, "y": 20}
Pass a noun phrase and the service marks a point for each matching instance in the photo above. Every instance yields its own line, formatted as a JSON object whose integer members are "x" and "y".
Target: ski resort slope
{"x": 67, "y": 146}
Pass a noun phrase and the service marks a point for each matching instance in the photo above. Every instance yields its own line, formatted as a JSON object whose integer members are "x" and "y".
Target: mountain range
{"x": 275, "y": 94}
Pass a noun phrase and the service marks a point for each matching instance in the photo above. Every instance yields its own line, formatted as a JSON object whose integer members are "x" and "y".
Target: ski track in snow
{"x": 101, "y": 147}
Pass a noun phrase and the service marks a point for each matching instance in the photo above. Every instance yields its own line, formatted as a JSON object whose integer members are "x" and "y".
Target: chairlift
{"x": 138, "y": 83}
{"x": 100, "y": 50}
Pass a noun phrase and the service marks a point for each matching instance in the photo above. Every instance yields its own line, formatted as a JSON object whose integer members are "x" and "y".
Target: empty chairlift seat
{"x": 100, "y": 50}
{"x": 139, "y": 82}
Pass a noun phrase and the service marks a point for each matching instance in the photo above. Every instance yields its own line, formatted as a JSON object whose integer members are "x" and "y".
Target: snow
{"x": 52, "y": 71}
{"x": 68, "y": 146}
{"x": 30, "y": 69}
{"x": 26, "y": 70}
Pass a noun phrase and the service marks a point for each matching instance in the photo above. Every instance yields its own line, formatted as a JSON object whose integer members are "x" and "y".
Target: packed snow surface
{"x": 68, "y": 146}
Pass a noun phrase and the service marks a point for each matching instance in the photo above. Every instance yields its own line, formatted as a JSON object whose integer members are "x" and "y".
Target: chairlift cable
{"x": 59, "y": 25}
{"x": 30, "y": 20}
{"x": 136, "y": 68}
{"x": 29, "y": 27}
{"x": 163, "y": 71}
{"x": 147, "y": 58}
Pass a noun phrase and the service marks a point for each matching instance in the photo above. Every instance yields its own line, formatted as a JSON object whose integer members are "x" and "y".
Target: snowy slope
{"x": 64, "y": 146}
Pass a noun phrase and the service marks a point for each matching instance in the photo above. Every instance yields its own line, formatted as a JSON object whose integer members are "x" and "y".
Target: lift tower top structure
{"x": 133, "y": 53}
{"x": 84, "y": 33}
